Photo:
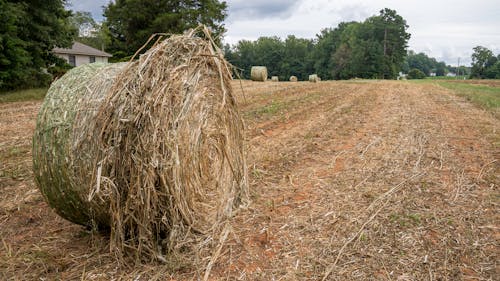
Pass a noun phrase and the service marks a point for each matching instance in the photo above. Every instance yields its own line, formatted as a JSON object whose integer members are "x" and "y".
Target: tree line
{"x": 374, "y": 48}
{"x": 485, "y": 65}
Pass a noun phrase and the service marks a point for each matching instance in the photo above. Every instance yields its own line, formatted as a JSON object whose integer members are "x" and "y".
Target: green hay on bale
{"x": 151, "y": 150}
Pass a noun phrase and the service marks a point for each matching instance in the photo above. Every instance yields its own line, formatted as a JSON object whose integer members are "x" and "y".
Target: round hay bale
{"x": 293, "y": 78}
{"x": 151, "y": 150}
{"x": 258, "y": 73}
{"x": 275, "y": 78}
{"x": 313, "y": 78}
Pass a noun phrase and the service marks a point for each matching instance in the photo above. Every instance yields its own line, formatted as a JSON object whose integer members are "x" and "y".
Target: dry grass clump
{"x": 293, "y": 78}
{"x": 151, "y": 150}
{"x": 275, "y": 78}
{"x": 314, "y": 78}
{"x": 258, "y": 73}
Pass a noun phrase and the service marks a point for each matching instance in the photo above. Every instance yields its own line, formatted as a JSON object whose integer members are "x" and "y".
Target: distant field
{"x": 23, "y": 95}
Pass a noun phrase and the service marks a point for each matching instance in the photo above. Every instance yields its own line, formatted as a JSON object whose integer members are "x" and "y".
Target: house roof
{"x": 81, "y": 49}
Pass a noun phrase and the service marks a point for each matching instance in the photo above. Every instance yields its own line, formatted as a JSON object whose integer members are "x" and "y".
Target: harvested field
{"x": 349, "y": 180}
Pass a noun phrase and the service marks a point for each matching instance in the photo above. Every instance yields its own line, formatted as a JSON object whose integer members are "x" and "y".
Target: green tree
{"x": 90, "y": 32}
{"x": 482, "y": 58}
{"x": 269, "y": 51}
{"x": 327, "y": 43}
{"x": 296, "y": 58}
{"x": 131, "y": 22}
{"x": 29, "y": 30}
{"x": 375, "y": 48}
{"x": 416, "y": 74}
{"x": 389, "y": 29}
{"x": 425, "y": 63}
{"x": 243, "y": 56}
{"x": 493, "y": 71}
{"x": 83, "y": 22}
{"x": 440, "y": 69}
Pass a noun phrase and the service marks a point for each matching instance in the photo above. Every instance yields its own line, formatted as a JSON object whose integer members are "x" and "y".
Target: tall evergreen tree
{"x": 131, "y": 22}
{"x": 29, "y": 30}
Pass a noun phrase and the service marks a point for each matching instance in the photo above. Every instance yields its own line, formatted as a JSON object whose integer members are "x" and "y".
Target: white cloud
{"x": 259, "y": 9}
{"x": 95, "y": 7}
{"x": 445, "y": 30}
{"x": 442, "y": 29}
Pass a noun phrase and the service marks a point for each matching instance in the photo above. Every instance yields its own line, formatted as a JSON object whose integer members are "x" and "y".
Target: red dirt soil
{"x": 349, "y": 180}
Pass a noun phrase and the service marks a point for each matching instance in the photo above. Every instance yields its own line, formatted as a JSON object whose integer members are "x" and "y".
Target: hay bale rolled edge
{"x": 293, "y": 78}
{"x": 275, "y": 79}
{"x": 166, "y": 130}
{"x": 258, "y": 73}
{"x": 71, "y": 102}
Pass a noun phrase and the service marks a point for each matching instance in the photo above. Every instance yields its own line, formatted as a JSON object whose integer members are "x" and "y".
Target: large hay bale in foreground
{"x": 152, "y": 149}
{"x": 275, "y": 79}
{"x": 293, "y": 78}
{"x": 313, "y": 78}
{"x": 258, "y": 73}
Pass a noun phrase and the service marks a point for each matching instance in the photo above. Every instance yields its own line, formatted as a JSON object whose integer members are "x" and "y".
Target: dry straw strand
{"x": 151, "y": 150}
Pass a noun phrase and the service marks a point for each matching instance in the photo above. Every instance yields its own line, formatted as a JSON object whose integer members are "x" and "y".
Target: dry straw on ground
{"x": 314, "y": 78}
{"x": 275, "y": 79}
{"x": 293, "y": 78}
{"x": 258, "y": 73}
{"x": 151, "y": 150}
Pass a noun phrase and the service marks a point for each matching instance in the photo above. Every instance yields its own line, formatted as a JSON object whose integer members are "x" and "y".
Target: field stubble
{"x": 350, "y": 181}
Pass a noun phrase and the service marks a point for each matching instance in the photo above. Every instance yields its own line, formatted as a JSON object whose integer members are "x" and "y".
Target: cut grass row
{"x": 484, "y": 96}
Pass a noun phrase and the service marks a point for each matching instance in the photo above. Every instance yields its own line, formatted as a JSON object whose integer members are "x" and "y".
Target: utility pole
{"x": 385, "y": 49}
{"x": 385, "y": 42}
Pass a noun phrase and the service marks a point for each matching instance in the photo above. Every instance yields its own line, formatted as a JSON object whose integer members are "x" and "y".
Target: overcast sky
{"x": 442, "y": 29}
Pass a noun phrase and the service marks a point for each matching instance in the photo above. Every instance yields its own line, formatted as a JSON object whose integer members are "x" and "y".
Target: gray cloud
{"x": 95, "y": 7}
{"x": 247, "y": 9}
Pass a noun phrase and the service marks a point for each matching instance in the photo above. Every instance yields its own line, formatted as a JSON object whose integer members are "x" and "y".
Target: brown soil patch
{"x": 350, "y": 181}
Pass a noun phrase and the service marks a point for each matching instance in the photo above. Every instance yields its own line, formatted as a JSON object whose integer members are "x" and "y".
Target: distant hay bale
{"x": 313, "y": 78}
{"x": 258, "y": 73}
{"x": 275, "y": 78}
{"x": 151, "y": 150}
{"x": 293, "y": 78}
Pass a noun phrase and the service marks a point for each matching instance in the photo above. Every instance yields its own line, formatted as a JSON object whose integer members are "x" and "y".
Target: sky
{"x": 444, "y": 29}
